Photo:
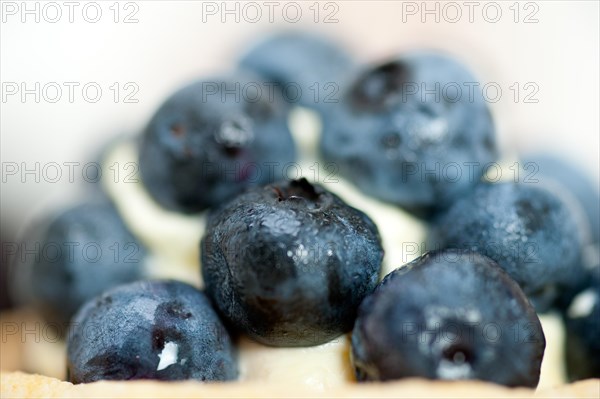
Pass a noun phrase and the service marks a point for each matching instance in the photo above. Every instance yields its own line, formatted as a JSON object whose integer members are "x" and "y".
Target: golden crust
{"x": 17, "y": 356}
{"x": 19, "y": 385}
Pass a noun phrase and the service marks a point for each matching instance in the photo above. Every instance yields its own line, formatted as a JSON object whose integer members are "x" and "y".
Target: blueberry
{"x": 289, "y": 263}
{"x": 528, "y": 230}
{"x": 212, "y": 139}
{"x": 79, "y": 254}
{"x": 554, "y": 170}
{"x": 449, "y": 315}
{"x": 582, "y": 322}
{"x": 163, "y": 330}
{"x": 410, "y": 131}
{"x": 309, "y": 69}
{"x": 581, "y": 195}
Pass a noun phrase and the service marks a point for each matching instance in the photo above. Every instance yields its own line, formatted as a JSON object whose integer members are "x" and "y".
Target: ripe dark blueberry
{"x": 448, "y": 315}
{"x": 80, "y": 253}
{"x": 410, "y": 132}
{"x": 212, "y": 139}
{"x": 289, "y": 263}
{"x": 308, "y": 68}
{"x": 582, "y": 322}
{"x": 528, "y": 230}
{"x": 162, "y": 330}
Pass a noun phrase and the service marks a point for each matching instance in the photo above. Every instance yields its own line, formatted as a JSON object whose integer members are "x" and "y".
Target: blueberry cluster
{"x": 288, "y": 263}
{"x": 525, "y": 228}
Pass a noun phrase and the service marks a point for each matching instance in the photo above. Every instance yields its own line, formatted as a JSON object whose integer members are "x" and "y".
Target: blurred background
{"x": 543, "y": 56}
{"x": 76, "y": 75}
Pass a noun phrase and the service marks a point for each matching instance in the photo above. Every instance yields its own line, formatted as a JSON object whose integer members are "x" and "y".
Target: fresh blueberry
{"x": 163, "y": 330}
{"x": 411, "y": 132}
{"x": 528, "y": 230}
{"x": 79, "y": 254}
{"x": 289, "y": 263}
{"x": 553, "y": 170}
{"x": 448, "y": 315}
{"x": 309, "y": 69}
{"x": 582, "y": 322}
{"x": 212, "y": 139}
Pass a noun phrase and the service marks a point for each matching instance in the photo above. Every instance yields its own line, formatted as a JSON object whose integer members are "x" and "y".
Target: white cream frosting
{"x": 322, "y": 367}
{"x": 173, "y": 238}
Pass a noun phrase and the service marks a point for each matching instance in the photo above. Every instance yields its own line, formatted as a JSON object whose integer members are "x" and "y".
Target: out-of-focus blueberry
{"x": 553, "y": 170}
{"x": 212, "y": 139}
{"x": 578, "y": 192}
{"x": 410, "y": 132}
{"x": 309, "y": 69}
{"x": 582, "y": 322}
{"x": 80, "y": 253}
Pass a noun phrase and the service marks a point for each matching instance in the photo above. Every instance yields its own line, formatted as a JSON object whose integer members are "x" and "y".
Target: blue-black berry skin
{"x": 289, "y": 263}
{"x": 212, "y": 139}
{"x": 162, "y": 330}
{"x": 582, "y": 328}
{"x": 528, "y": 230}
{"x": 409, "y": 132}
{"x": 82, "y": 252}
{"x": 309, "y": 69}
{"x": 448, "y": 315}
